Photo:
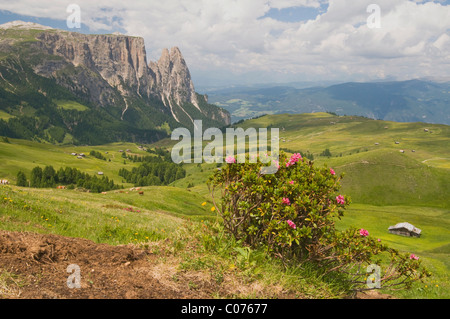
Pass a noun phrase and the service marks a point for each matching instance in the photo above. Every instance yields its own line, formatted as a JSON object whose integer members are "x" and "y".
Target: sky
{"x": 228, "y": 42}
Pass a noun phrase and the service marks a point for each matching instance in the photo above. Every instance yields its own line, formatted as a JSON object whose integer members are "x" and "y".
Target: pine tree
{"x": 21, "y": 179}
{"x": 36, "y": 177}
{"x": 48, "y": 177}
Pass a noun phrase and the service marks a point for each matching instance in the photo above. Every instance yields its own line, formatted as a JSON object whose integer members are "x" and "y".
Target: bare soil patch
{"x": 34, "y": 266}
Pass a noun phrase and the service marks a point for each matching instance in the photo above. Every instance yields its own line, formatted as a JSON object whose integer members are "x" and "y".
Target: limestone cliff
{"x": 173, "y": 78}
{"x": 112, "y": 71}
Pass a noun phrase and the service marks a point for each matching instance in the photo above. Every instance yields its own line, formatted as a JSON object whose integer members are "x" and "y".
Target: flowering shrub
{"x": 352, "y": 251}
{"x": 292, "y": 214}
{"x": 256, "y": 208}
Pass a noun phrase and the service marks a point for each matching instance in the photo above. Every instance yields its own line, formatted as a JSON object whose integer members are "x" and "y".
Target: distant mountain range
{"x": 68, "y": 87}
{"x": 400, "y": 101}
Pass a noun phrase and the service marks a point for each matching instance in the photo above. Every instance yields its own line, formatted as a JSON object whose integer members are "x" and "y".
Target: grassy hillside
{"x": 115, "y": 218}
{"x": 386, "y": 187}
{"x": 367, "y": 151}
{"x": 376, "y": 170}
{"x": 25, "y": 155}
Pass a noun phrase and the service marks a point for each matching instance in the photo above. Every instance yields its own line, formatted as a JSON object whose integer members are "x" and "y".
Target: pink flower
{"x": 340, "y": 199}
{"x": 277, "y": 164}
{"x": 412, "y": 256}
{"x": 286, "y": 201}
{"x": 332, "y": 172}
{"x": 291, "y": 224}
{"x": 230, "y": 159}
{"x": 291, "y": 182}
{"x": 294, "y": 159}
{"x": 363, "y": 232}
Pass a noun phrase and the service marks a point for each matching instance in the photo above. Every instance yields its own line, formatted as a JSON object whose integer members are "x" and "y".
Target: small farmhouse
{"x": 4, "y": 182}
{"x": 405, "y": 229}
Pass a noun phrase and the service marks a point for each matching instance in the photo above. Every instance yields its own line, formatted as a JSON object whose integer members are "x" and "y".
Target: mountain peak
{"x": 106, "y": 73}
{"x": 175, "y": 51}
{"x": 18, "y": 24}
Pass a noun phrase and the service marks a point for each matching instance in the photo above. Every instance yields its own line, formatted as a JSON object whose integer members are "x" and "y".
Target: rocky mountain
{"x": 103, "y": 76}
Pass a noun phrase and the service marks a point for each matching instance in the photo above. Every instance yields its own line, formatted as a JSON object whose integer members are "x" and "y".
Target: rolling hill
{"x": 400, "y": 101}
{"x": 386, "y": 186}
{"x": 386, "y": 163}
{"x": 370, "y": 153}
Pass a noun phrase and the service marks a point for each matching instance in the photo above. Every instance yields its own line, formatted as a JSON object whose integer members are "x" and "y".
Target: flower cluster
{"x": 286, "y": 201}
{"x": 294, "y": 159}
{"x": 291, "y": 224}
{"x": 363, "y": 232}
{"x": 340, "y": 200}
{"x": 277, "y": 164}
{"x": 230, "y": 159}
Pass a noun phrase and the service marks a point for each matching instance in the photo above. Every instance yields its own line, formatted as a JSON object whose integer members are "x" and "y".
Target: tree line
{"x": 162, "y": 155}
{"x": 153, "y": 173}
{"x": 98, "y": 155}
{"x": 49, "y": 178}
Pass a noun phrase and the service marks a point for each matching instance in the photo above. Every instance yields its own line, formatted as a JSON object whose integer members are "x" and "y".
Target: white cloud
{"x": 282, "y": 4}
{"x": 231, "y": 35}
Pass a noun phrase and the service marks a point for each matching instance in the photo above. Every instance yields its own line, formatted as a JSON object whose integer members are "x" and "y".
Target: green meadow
{"x": 25, "y": 155}
{"x": 70, "y": 105}
{"x": 387, "y": 186}
{"x": 116, "y": 217}
{"x": 5, "y": 116}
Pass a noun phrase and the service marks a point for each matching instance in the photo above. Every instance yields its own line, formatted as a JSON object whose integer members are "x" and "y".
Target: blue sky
{"x": 254, "y": 41}
{"x": 296, "y": 14}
